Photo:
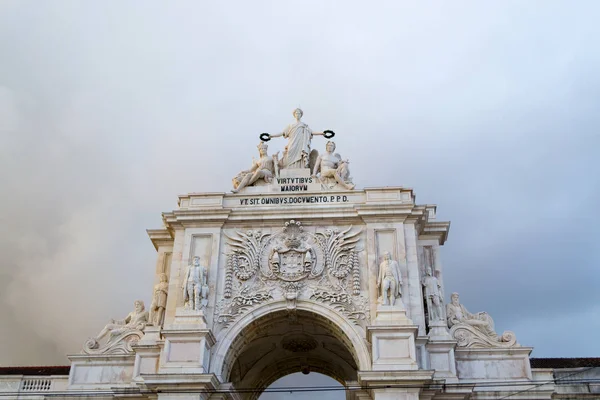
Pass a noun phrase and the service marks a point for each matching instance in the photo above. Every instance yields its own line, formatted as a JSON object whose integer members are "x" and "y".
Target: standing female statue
{"x": 299, "y": 136}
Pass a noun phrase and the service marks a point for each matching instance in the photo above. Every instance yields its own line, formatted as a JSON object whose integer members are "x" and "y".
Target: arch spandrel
{"x": 293, "y": 263}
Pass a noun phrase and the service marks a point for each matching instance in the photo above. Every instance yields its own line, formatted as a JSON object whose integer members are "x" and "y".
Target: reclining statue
{"x": 122, "y": 333}
{"x": 475, "y": 330}
{"x": 264, "y": 168}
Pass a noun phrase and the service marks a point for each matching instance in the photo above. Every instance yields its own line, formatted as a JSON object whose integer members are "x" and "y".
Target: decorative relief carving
{"x": 227, "y": 310}
{"x": 475, "y": 330}
{"x": 355, "y": 308}
{"x": 292, "y": 264}
{"x": 468, "y": 336}
{"x": 299, "y": 343}
{"x": 122, "y": 333}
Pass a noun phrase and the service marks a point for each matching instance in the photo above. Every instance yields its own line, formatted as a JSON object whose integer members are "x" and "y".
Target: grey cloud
{"x": 108, "y": 111}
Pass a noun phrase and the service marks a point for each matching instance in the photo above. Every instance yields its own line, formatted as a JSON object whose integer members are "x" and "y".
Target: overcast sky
{"x": 109, "y": 109}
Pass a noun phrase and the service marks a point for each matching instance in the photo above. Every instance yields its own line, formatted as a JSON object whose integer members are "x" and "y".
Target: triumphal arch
{"x": 297, "y": 269}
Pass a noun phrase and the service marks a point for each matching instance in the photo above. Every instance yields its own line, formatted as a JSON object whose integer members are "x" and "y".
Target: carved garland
{"x": 228, "y": 277}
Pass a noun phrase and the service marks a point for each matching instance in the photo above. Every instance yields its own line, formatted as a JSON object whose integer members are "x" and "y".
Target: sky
{"x": 109, "y": 110}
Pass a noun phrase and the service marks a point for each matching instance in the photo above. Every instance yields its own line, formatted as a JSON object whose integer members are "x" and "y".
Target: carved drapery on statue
{"x": 291, "y": 264}
{"x": 299, "y": 137}
{"x": 122, "y": 334}
{"x": 195, "y": 286}
{"x": 475, "y": 330}
{"x": 261, "y": 172}
{"x": 159, "y": 301}
{"x": 331, "y": 170}
{"x": 389, "y": 280}
{"x": 434, "y": 298}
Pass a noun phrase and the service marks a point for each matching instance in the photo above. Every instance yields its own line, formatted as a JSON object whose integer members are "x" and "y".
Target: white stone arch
{"x": 353, "y": 334}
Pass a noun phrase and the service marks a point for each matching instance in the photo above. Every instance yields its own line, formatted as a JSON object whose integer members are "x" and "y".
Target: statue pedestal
{"x": 392, "y": 338}
{"x": 440, "y": 348}
{"x": 392, "y": 315}
{"x": 438, "y": 330}
{"x": 147, "y": 352}
{"x": 151, "y": 335}
{"x": 187, "y": 344}
{"x": 189, "y": 319}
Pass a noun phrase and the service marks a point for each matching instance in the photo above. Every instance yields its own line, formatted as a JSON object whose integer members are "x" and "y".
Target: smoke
{"x": 107, "y": 112}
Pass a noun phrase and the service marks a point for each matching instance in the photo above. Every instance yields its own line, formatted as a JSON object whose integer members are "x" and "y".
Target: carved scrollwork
{"x": 292, "y": 264}
{"x": 120, "y": 344}
{"x": 228, "y": 310}
{"x": 338, "y": 247}
{"x": 245, "y": 257}
{"x": 356, "y": 308}
{"x": 468, "y": 336}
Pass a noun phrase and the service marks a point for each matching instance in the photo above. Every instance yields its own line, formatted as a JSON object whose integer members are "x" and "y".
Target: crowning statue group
{"x": 328, "y": 168}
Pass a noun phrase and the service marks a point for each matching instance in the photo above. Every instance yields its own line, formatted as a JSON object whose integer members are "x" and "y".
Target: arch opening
{"x": 274, "y": 345}
{"x": 278, "y": 389}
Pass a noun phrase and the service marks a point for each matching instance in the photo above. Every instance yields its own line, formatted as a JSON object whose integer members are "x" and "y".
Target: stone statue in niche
{"x": 299, "y": 136}
{"x": 159, "y": 301}
{"x": 264, "y": 168}
{"x": 475, "y": 330}
{"x": 122, "y": 333}
{"x": 195, "y": 286}
{"x": 389, "y": 281}
{"x": 433, "y": 295}
{"x": 333, "y": 170}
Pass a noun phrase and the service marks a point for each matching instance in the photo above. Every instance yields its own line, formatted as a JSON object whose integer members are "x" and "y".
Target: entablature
{"x": 369, "y": 205}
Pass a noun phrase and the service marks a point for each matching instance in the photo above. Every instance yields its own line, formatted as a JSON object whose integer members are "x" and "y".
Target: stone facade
{"x": 298, "y": 270}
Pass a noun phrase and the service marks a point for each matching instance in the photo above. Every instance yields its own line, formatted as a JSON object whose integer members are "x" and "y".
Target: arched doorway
{"x": 275, "y": 342}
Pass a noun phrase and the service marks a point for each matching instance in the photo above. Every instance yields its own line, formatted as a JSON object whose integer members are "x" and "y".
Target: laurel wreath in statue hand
{"x": 265, "y": 137}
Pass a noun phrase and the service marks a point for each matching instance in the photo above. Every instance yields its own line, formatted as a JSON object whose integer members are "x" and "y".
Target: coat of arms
{"x": 291, "y": 257}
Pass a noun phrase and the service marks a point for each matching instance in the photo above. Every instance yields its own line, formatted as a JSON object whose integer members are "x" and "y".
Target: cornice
{"x": 180, "y": 381}
{"x": 160, "y": 237}
{"x": 435, "y": 230}
{"x": 196, "y": 217}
